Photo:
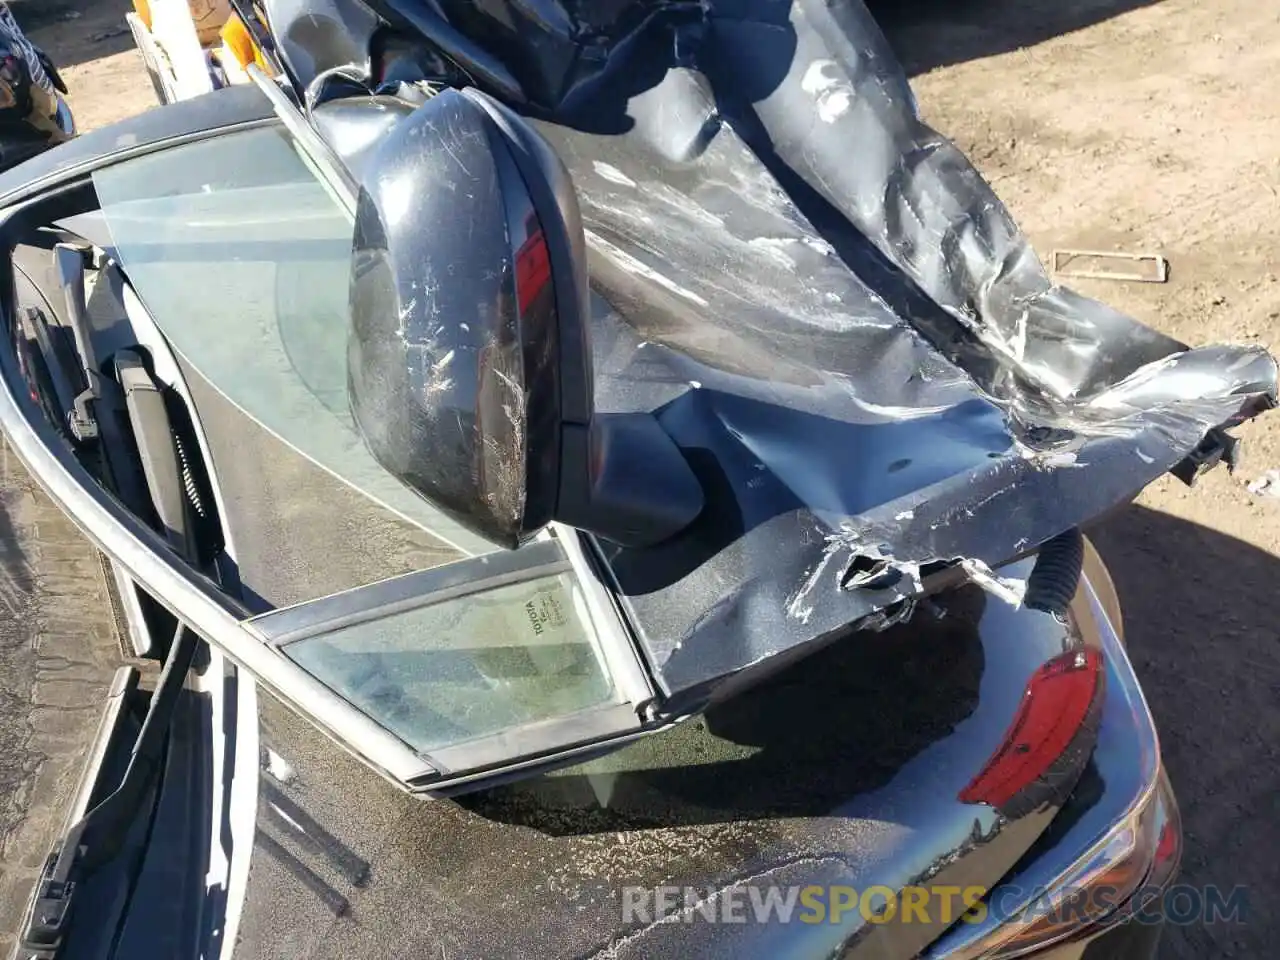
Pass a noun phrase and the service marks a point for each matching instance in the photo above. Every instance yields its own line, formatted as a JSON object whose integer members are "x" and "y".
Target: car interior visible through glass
{"x": 265, "y": 250}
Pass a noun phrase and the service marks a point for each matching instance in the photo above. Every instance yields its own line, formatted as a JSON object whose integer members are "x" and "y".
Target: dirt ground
{"x": 1139, "y": 125}
{"x": 1132, "y": 125}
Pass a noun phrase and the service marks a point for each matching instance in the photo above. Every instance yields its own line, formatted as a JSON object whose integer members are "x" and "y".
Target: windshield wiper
{"x": 101, "y": 833}
{"x": 69, "y": 261}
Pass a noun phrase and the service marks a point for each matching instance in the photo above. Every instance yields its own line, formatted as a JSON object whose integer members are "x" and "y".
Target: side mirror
{"x": 469, "y": 358}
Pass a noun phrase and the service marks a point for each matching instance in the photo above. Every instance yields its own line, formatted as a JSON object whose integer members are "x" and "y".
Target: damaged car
{"x": 558, "y": 455}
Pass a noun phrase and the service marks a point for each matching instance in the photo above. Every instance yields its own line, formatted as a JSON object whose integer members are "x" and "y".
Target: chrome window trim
{"x": 534, "y": 765}
{"x": 139, "y": 638}
{"x": 621, "y": 649}
{"x": 338, "y": 177}
{"x": 408, "y": 591}
{"x": 563, "y": 552}
{"x": 532, "y": 740}
{"x": 474, "y": 575}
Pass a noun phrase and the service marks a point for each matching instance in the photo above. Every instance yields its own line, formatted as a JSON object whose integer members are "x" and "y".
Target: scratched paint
{"x": 613, "y": 174}
{"x": 827, "y": 83}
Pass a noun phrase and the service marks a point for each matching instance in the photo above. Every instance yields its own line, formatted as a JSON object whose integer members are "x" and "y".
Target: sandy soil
{"x": 1122, "y": 124}
{"x": 1127, "y": 124}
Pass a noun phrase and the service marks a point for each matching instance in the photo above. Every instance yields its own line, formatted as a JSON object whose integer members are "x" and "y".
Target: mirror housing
{"x": 469, "y": 358}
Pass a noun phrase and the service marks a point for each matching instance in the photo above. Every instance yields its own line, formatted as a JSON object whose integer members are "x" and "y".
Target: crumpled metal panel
{"x": 315, "y": 36}
{"x": 835, "y": 318}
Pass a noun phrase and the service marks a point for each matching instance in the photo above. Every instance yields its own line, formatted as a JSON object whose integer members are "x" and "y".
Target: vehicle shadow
{"x": 17, "y": 580}
{"x": 842, "y": 722}
{"x": 1202, "y": 627}
{"x": 927, "y": 34}
{"x": 75, "y": 31}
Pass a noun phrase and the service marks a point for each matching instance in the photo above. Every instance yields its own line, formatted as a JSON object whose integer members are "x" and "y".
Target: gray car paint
{"x": 455, "y": 862}
{"x": 822, "y": 303}
{"x": 832, "y": 775}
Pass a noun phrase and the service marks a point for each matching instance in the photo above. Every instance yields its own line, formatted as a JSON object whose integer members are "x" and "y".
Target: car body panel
{"x": 838, "y": 774}
{"x": 137, "y": 135}
{"x": 822, "y": 303}
{"x": 820, "y": 445}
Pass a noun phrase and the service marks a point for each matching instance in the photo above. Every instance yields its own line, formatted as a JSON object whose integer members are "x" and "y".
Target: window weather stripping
{"x": 332, "y": 169}
{"x": 411, "y": 590}
{"x": 620, "y": 647}
{"x": 596, "y": 726}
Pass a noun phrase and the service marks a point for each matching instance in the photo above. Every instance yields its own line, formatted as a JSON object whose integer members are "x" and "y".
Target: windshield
{"x": 242, "y": 257}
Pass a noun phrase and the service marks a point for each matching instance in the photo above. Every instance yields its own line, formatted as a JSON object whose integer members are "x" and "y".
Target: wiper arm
{"x": 99, "y": 835}
{"x": 69, "y": 261}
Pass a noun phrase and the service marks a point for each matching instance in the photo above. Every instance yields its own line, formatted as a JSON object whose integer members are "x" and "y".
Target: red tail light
{"x": 533, "y": 269}
{"x": 1053, "y": 709}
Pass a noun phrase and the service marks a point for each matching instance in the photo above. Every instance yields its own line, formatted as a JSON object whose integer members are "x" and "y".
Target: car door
{"x": 228, "y": 249}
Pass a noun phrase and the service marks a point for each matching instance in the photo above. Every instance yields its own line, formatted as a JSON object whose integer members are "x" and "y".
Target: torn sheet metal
{"x": 826, "y": 307}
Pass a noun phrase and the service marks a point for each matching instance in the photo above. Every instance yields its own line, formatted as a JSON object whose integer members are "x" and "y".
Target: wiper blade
{"x": 153, "y": 437}
{"x": 35, "y": 328}
{"x": 99, "y": 835}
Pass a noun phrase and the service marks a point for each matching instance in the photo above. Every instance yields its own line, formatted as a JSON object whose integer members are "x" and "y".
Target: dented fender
{"x": 827, "y": 308}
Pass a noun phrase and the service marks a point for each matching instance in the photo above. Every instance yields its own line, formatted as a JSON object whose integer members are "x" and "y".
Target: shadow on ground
{"x": 1203, "y": 630}
{"x": 936, "y": 33}
{"x": 75, "y": 31}
{"x": 17, "y": 666}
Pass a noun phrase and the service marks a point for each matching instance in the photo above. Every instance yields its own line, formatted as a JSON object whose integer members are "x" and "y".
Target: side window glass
{"x": 467, "y": 667}
{"x": 456, "y": 670}
{"x": 241, "y": 256}
{"x": 473, "y": 663}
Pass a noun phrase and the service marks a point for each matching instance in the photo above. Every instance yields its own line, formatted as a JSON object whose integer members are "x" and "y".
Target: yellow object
{"x": 207, "y": 16}
{"x": 237, "y": 39}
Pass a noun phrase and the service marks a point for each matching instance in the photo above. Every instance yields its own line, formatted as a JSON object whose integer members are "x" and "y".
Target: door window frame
{"x": 252, "y": 641}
